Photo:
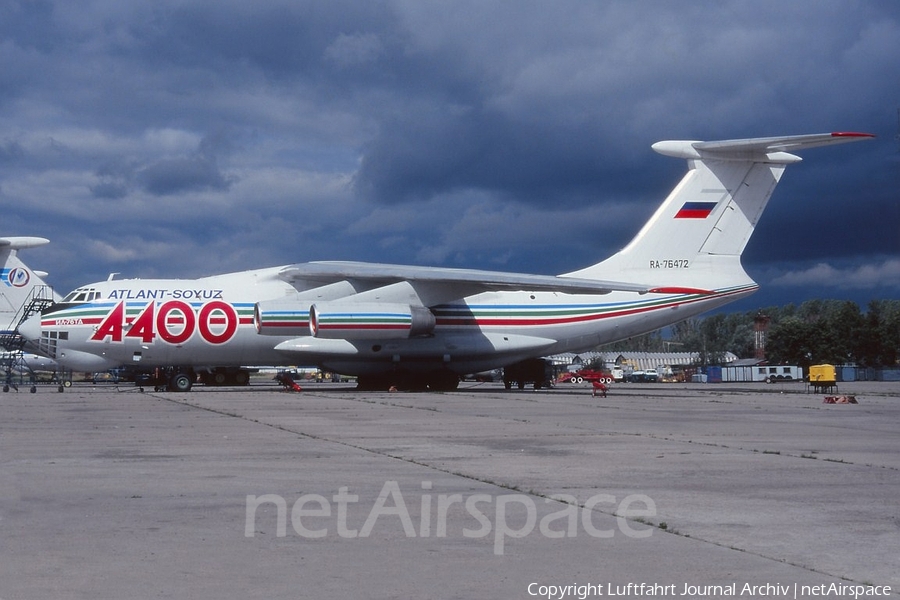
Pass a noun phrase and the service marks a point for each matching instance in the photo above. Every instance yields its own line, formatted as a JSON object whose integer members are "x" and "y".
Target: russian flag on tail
{"x": 695, "y": 210}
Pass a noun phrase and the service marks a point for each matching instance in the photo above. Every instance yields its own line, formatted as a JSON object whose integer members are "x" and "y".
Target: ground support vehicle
{"x": 583, "y": 375}
{"x": 648, "y": 376}
{"x": 537, "y": 371}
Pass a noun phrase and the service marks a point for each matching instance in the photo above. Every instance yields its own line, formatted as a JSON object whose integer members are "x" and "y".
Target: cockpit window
{"x": 82, "y": 295}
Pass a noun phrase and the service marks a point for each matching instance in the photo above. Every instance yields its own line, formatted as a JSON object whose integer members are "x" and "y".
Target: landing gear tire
{"x": 180, "y": 382}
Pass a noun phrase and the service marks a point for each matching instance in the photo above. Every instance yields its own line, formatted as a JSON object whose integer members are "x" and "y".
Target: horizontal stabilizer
{"x": 20, "y": 242}
{"x": 768, "y": 149}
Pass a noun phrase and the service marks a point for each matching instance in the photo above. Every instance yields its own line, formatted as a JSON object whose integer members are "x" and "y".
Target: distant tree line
{"x": 815, "y": 332}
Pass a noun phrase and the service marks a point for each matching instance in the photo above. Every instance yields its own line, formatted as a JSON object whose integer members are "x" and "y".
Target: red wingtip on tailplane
{"x": 680, "y": 290}
{"x": 851, "y": 134}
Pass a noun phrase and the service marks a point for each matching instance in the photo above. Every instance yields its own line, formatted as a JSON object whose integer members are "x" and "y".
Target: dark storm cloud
{"x": 573, "y": 121}
{"x": 478, "y": 134}
{"x": 173, "y": 175}
{"x": 191, "y": 173}
{"x": 166, "y": 176}
{"x": 478, "y": 150}
{"x": 10, "y": 151}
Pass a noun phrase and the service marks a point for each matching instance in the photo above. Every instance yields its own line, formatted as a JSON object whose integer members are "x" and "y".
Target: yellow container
{"x": 822, "y": 373}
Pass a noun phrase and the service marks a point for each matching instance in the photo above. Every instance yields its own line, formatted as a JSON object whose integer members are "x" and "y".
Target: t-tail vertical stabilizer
{"x": 19, "y": 284}
{"x": 695, "y": 239}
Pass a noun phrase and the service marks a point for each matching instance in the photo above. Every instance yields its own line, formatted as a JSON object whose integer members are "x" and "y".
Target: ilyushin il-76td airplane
{"x": 417, "y": 327}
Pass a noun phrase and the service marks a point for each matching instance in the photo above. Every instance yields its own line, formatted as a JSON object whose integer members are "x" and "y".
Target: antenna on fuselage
{"x": 112, "y": 276}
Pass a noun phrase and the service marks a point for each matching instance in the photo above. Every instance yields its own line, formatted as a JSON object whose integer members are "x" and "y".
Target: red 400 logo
{"x": 174, "y": 322}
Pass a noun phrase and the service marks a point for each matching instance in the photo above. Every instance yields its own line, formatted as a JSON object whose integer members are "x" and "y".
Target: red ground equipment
{"x": 583, "y": 375}
{"x": 288, "y": 382}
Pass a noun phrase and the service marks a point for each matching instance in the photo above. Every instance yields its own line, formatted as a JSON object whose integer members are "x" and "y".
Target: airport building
{"x": 667, "y": 364}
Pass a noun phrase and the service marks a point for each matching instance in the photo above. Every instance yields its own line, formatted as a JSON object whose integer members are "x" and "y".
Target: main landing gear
{"x": 168, "y": 379}
{"x": 182, "y": 379}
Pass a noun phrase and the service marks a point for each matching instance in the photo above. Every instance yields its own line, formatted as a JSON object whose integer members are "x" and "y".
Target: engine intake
{"x": 369, "y": 321}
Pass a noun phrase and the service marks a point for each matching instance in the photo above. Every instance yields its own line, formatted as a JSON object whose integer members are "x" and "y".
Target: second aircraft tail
{"x": 19, "y": 284}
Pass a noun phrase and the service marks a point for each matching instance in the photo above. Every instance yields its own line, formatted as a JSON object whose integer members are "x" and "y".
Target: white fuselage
{"x": 210, "y": 322}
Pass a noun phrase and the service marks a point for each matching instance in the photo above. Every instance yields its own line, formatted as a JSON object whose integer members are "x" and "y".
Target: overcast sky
{"x": 188, "y": 138}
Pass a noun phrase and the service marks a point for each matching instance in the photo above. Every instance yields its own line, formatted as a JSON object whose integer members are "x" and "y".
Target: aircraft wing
{"x": 455, "y": 282}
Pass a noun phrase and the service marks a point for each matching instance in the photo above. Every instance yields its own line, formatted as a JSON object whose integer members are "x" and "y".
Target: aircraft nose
{"x": 31, "y": 328}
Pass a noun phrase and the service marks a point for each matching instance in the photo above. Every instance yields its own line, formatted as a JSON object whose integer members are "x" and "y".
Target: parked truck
{"x": 537, "y": 371}
{"x": 648, "y": 376}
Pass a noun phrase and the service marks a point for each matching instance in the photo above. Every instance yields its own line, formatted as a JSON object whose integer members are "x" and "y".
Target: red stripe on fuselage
{"x": 520, "y": 322}
{"x": 363, "y": 326}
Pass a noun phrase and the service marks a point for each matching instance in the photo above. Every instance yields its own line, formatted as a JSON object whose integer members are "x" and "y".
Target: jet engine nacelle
{"x": 281, "y": 317}
{"x": 369, "y": 320}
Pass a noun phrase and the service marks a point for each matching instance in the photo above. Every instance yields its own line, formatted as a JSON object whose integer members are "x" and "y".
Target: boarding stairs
{"x": 13, "y": 344}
